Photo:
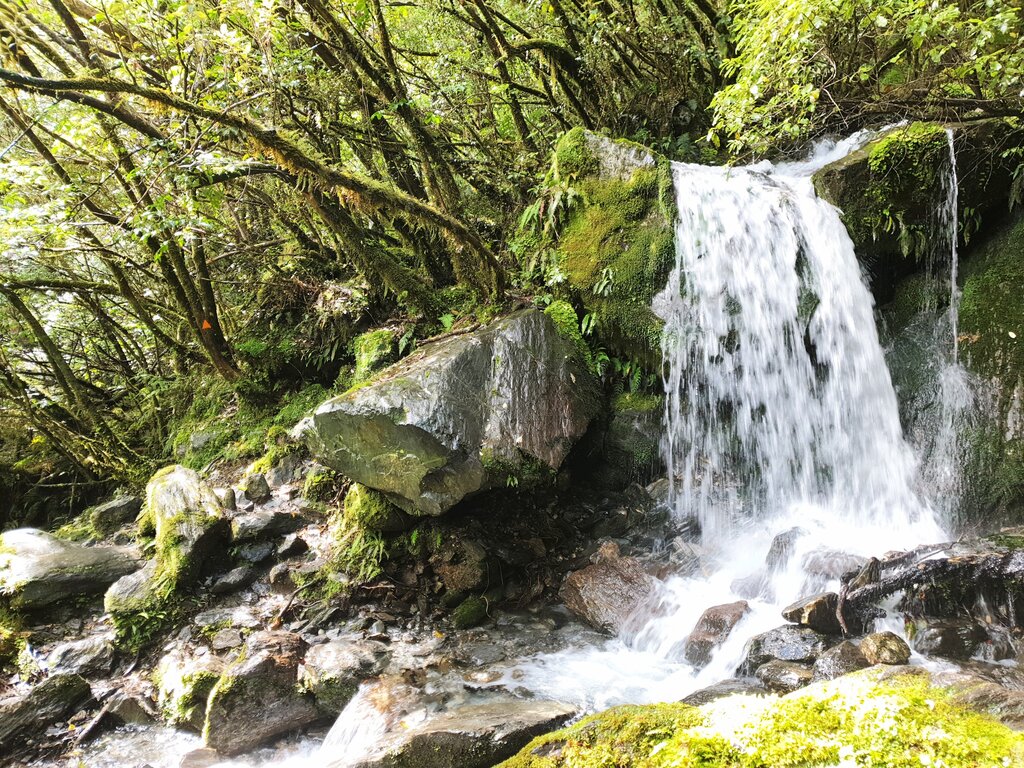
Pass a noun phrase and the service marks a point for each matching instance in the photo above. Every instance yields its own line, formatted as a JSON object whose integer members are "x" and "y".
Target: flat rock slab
{"x": 477, "y": 736}
{"x": 38, "y": 569}
{"x": 52, "y": 700}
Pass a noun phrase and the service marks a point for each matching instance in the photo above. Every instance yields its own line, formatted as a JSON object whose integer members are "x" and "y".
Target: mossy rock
{"x": 371, "y": 510}
{"x": 183, "y": 687}
{"x": 865, "y": 718}
{"x": 618, "y": 245}
{"x": 889, "y": 190}
{"x": 469, "y": 613}
{"x": 374, "y": 351}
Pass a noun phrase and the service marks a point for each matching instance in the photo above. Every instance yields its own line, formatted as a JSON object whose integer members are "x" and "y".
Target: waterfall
{"x": 778, "y": 397}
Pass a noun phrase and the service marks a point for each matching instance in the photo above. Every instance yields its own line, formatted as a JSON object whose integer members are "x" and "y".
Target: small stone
{"x": 841, "y": 660}
{"x": 293, "y": 546}
{"x": 227, "y": 498}
{"x": 712, "y": 630}
{"x": 257, "y": 489}
{"x": 130, "y": 709}
{"x": 470, "y": 612}
{"x": 256, "y": 552}
{"x": 885, "y": 648}
{"x": 226, "y": 639}
{"x": 89, "y": 657}
{"x": 722, "y": 689}
{"x": 281, "y": 580}
{"x": 784, "y": 676}
{"x": 817, "y": 612}
{"x": 234, "y": 580}
{"x": 263, "y": 524}
{"x": 200, "y": 758}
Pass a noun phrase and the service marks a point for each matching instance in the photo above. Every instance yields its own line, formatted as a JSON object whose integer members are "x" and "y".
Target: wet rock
{"x": 333, "y": 671}
{"x": 89, "y": 657}
{"x": 255, "y": 552}
{"x": 462, "y": 414}
{"x": 38, "y": 570}
{"x": 476, "y": 736}
{"x": 885, "y": 648}
{"x": 191, "y": 534}
{"x": 782, "y": 548}
{"x": 712, "y": 630}
{"x": 258, "y": 698}
{"x": 257, "y": 489}
{"x": 722, "y": 689}
{"x": 241, "y": 616}
{"x": 841, "y": 660}
{"x": 789, "y": 643}
{"x": 234, "y": 580}
{"x": 183, "y": 683}
{"x": 262, "y": 524}
{"x": 54, "y": 699}
{"x": 292, "y": 546}
{"x": 285, "y": 471}
{"x": 950, "y": 638}
{"x": 108, "y": 517}
{"x": 984, "y": 695}
{"x": 461, "y": 564}
{"x": 226, "y": 639}
{"x": 200, "y": 758}
{"x": 784, "y": 676}
{"x": 606, "y": 594}
{"x": 831, "y": 564}
{"x": 817, "y": 612}
{"x": 131, "y": 709}
{"x": 281, "y": 579}
{"x": 469, "y": 613}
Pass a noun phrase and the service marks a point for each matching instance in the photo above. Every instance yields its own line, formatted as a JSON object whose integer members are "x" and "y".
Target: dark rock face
{"x": 38, "y": 570}
{"x": 722, "y": 689}
{"x": 477, "y": 736}
{"x": 606, "y": 594}
{"x": 784, "y": 676}
{"x": 258, "y": 698}
{"x": 461, "y": 415}
{"x": 106, "y": 518}
{"x": 817, "y": 612}
{"x": 950, "y": 638}
{"x": 333, "y": 671}
{"x": 53, "y": 699}
{"x": 712, "y": 629}
{"x": 799, "y": 644}
{"x": 885, "y": 648}
{"x": 841, "y": 660}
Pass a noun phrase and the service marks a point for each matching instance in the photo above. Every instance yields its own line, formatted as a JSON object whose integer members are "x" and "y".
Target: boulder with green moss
{"x": 333, "y": 671}
{"x": 259, "y": 697}
{"x": 183, "y": 682}
{"x": 615, "y": 243}
{"x": 889, "y": 191}
{"x": 374, "y": 350}
{"x": 38, "y": 570}
{"x": 500, "y": 405}
{"x": 190, "y": 537}
{"x": 372, "y": 510}
{"x": 108, "y": 517}
{"x": 871, "y": 717}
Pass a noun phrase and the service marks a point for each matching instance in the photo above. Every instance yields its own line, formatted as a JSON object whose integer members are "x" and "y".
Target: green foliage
{"x": 568, "y": 325}
{"x": 78, "y": 529}
{"x": 801, "y": 63}
{"x": 12, "y": 643}
{"x": 373, "y": 351}
{"x": 854, "y": 720}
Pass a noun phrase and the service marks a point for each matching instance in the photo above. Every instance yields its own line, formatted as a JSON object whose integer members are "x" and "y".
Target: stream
{"x": 780, "y": 418}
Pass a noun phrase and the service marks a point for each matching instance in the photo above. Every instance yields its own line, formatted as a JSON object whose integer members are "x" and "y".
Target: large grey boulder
{"x": 258, "y": 698}
{"x": 462, "y": 414}
{"x": 38, "y": 570}
{"x": 475, "y": 736}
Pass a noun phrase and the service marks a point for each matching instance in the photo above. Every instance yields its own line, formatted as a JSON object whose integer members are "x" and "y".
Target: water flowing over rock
{"x": 712, "y": 629}
{"x": 38, "y": 569}
{"x": 608, "y": 593}
{"x": 461, "y": 414}
{"x": 333, "y": 671}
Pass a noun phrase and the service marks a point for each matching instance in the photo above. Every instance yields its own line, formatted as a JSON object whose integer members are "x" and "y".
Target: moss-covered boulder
{"x": 38, "y": 570}
{"x": 500, "y": 405}
{"x": 374, "y": 351}
{"x": 615, "y": 244}
{"x": 372, "y": 510}
{"x": 183, "y": 683}
{"x": 259, "y": 697}
{"x": 865, "y": 718}
{"x": 333, "y": 671}
{"x": 190, "y": 537}
{"x": 889, "y": 190}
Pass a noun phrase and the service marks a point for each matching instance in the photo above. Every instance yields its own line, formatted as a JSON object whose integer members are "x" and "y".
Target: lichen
{"x": 903, "y": 722}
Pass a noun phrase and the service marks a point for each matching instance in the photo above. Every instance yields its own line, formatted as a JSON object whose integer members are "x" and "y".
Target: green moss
{"x": 524, "y": 472}
{"x": 573, "y": 156}
{"x": 182, "y": 697}
{"x": 12, "y": 641}
{"x": 567, "y": 323}
{"x": 899, "y": 723}
{"x": 79, "y": 529}
{"x": 616, "y": 251}
{"x": 370, "y": 509}
{"x": 373, "y": 351}
{"x": 469, "y": 613}
{"x": 638, "y": 402}
{"x": 321, "y": 485}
